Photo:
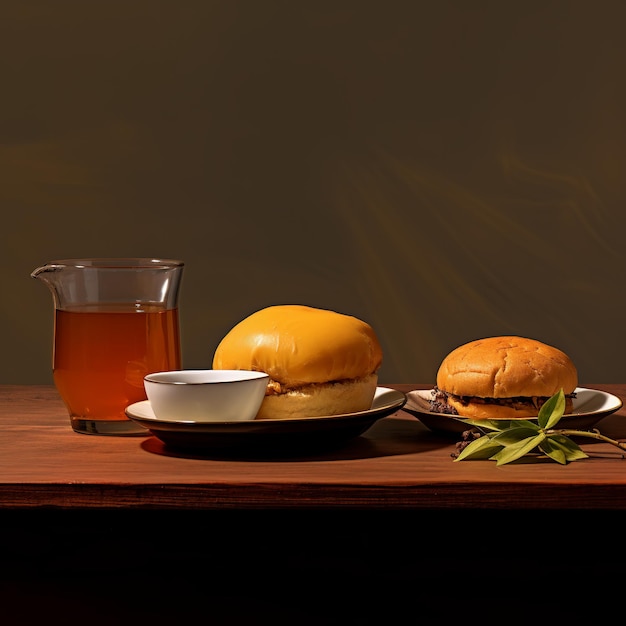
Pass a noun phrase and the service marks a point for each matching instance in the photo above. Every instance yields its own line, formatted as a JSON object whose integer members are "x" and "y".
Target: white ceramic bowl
{"x": 206, "y": 395}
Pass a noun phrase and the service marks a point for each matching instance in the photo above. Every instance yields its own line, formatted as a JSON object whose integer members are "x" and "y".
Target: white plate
{"x": 590, "y": 406}
{"x": 267, "y": 433}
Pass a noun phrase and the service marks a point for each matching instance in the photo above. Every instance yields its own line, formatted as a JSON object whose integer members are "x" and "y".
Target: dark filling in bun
{"x": 439, "y": 401}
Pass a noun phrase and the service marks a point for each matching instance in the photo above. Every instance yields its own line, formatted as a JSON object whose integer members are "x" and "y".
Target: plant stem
{"x": 593, "y": 434}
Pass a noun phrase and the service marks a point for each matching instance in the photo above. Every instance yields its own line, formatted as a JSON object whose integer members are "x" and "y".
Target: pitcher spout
{"x": 45, "y": 272}
{"x": 50, "y": 275}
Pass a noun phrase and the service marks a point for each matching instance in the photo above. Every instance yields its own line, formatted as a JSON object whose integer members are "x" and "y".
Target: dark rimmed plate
{"x": 590, "y": 406}
{"x": 267, "y": 433}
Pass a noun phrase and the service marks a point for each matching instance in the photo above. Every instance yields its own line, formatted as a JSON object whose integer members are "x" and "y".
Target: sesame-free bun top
{"x": 299, "y": 345}
{"x": 506, "y": 367}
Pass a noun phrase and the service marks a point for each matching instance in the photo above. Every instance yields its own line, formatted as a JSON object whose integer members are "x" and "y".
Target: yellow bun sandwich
{"x": 502, "y": 377}
{"x": 319, "y": 362}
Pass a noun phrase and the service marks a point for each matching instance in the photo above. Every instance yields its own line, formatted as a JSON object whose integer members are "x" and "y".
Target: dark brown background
{"x": 444, "y": 170}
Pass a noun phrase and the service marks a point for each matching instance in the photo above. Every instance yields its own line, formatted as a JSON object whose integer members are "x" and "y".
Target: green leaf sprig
{"x": 504, "y": 441}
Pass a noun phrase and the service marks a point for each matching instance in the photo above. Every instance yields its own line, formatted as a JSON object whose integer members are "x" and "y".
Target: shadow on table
{"x": 391, "y": 436}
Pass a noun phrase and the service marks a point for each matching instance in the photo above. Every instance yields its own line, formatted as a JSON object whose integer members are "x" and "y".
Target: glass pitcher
{"x": 115, "y": 320}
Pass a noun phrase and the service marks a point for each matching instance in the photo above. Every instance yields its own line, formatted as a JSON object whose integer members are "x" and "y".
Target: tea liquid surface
{"x": 102, "y": 353}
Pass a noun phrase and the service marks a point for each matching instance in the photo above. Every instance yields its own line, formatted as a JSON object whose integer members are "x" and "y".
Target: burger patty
{"x": 439, "y": 401}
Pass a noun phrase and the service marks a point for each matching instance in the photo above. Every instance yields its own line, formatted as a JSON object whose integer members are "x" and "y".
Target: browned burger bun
{"x": 319, "y": 362}
{"x": 502, "y": 377}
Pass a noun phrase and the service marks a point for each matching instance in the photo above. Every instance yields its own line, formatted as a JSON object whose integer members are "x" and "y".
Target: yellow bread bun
{"x": 319, "y": 362}
{"x": 522, "y": 371}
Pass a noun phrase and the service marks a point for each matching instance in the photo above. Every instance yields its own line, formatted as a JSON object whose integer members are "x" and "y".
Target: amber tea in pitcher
{"x": 101, "y": 356}
{"x": 116, "y": 320}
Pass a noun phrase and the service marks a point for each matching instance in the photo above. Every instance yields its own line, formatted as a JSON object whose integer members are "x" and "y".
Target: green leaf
{"x": 481, "y": 448}
{"x": 516, "y": 433}
{"x": 552, "y": 410}
{"x": 484, "y": 425}
{"x": 527, "y": 423}
{"x": 555, "y": 452}
{"x": 568, "y": 449}
{"x": 495, "y": 425}
{"x": 514, "y": 451}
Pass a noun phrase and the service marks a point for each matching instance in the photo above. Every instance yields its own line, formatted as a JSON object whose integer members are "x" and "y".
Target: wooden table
{"x": 396, "y": 464}
{"x": 117, "y": 530}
